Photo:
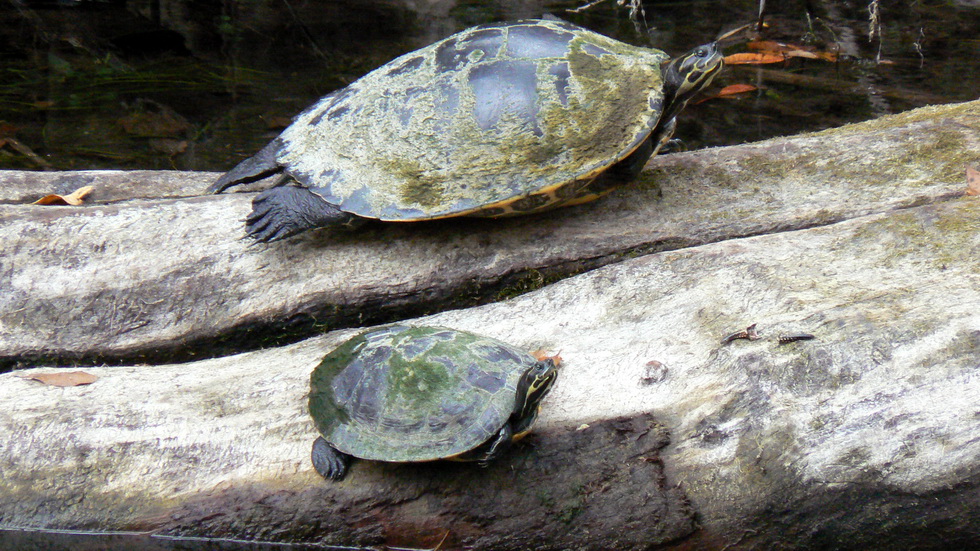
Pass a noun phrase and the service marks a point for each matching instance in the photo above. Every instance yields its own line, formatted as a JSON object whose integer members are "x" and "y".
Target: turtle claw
{"x": 327, "y": 461}
{"x": 284, "y": 211}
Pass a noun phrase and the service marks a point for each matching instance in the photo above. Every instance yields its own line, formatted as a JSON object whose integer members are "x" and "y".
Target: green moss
{"x": 762, "y": 458}
{"x": 531, "y": 280}
{"x": 223, "y": 404}
{"x": 943, "y": 240}
{"x": 924, "y": 114}
{"x": 419, "y": 186}
{"x": 764, "y": 167}
{"x": 415, "y": 384}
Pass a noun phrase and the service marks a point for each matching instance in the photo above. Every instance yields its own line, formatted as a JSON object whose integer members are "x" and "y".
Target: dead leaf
{"x": 801, "y": 53}
{"x": 972, "y": 181}
{"x": 831, "y": 56}
{"x": 771, "y": 47}
{"x": 168, "y": 146}
{"x": 7, "y": 129}
{"x": 542, "y": 355}
{"x": 277, "y": 123}
{"x": 733, "y": 89}
{"x": 154, "y": 120}
{"x": 74, "y": 198}
{"x": 764, "y": 45}
{"x": 749, "y": 58}
{"x": 63, "y": 378}
{"x": 729, "y": 90}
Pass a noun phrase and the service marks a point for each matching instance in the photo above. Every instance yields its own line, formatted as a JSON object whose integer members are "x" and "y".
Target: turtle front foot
{"x": 673, "y": 145}
{"x": 284, "y": 211}
{"x": 329, "y": 462}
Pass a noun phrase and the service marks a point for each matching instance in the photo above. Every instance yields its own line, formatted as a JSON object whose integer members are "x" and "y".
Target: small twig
{"x": 580, "y": 9}
{"x": 748, "y": 333}
{"x": 306, "y": 30}
{"x": 874, "y": 26}
{"x": 784, "y": 339}
{"x": 26, "y": 151}
{"x": 918, "y": 47}
{"x": 442, "y": 541}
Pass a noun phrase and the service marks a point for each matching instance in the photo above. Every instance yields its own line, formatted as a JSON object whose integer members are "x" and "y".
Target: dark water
{"x": 199, "y": 85}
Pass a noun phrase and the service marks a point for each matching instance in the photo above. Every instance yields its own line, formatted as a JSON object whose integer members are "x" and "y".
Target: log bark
{"x": 865, "y": 436}
{"x": 170, "y": 279}
{"x": 24, "y": 187}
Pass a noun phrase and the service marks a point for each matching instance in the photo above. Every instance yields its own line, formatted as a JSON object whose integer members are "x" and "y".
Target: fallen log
{"x": 155, "y": 280}
{"x": 24, "y": 187}
{"x": 864, "y": 436}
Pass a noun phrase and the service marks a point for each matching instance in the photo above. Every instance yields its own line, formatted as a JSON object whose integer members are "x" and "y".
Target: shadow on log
{"x": 595, "y": 487}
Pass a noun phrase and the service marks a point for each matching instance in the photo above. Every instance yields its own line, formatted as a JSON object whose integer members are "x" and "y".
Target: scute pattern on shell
{"x": 481, "y": 119}
{"x": 404, "y": 393}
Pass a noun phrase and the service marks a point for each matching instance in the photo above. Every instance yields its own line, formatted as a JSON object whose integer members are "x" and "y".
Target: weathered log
{"x": 865, "y": 436}
{"x": 146, "y": 280}
{"x": 24, "y": 187}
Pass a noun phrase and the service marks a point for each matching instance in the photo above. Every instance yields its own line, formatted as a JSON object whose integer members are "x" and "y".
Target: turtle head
{"x": 688, "y": 74}
{"x": 531, "y": 389}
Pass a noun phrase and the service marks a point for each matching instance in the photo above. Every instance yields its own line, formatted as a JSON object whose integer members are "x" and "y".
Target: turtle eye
{"x": 701, "y": 52}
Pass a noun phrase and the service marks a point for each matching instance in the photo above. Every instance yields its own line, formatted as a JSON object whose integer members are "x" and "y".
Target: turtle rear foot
{"x": 284, "y": 211}
{"x": 329, "y": 462}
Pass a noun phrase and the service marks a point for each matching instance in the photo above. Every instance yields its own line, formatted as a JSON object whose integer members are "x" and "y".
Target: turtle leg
{"x": 663, "y": 135}
{"x": 327, "y": 461}
{"x": 618, "y": 174}
{"x": 284, "y": 211}
{"x": 496, "y": 447}
{"x": 254, "y": 168}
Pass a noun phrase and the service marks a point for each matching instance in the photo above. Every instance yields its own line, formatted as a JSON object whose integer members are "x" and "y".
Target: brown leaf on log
{"x": 74, "y": 198}
{"x": 63, "y": 378}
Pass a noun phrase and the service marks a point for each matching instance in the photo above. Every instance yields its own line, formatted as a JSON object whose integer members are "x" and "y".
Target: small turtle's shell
{"x": 514, "y": 117}
{"x": 404, "y": 393}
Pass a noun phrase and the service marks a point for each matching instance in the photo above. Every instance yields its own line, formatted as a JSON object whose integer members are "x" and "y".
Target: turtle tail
{"x": 254, "y": 168}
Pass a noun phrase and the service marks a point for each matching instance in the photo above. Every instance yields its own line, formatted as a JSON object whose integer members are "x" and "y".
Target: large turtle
{"x": 402, "y": 393}
{"x": 496, "y": 120}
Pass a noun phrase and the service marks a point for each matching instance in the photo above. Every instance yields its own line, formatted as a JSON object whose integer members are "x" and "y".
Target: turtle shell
{"x": 403, "y": 393}
{"x": 503, "y": 118}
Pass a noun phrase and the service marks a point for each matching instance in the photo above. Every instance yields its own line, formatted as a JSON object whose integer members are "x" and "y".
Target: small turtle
{"x": 496, "y": 120}
{"x": 403, "y": 393}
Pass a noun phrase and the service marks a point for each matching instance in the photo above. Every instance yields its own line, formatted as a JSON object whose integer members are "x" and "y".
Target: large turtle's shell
{"x": 404, "y": 393}
{"x": 481, "y": 119}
